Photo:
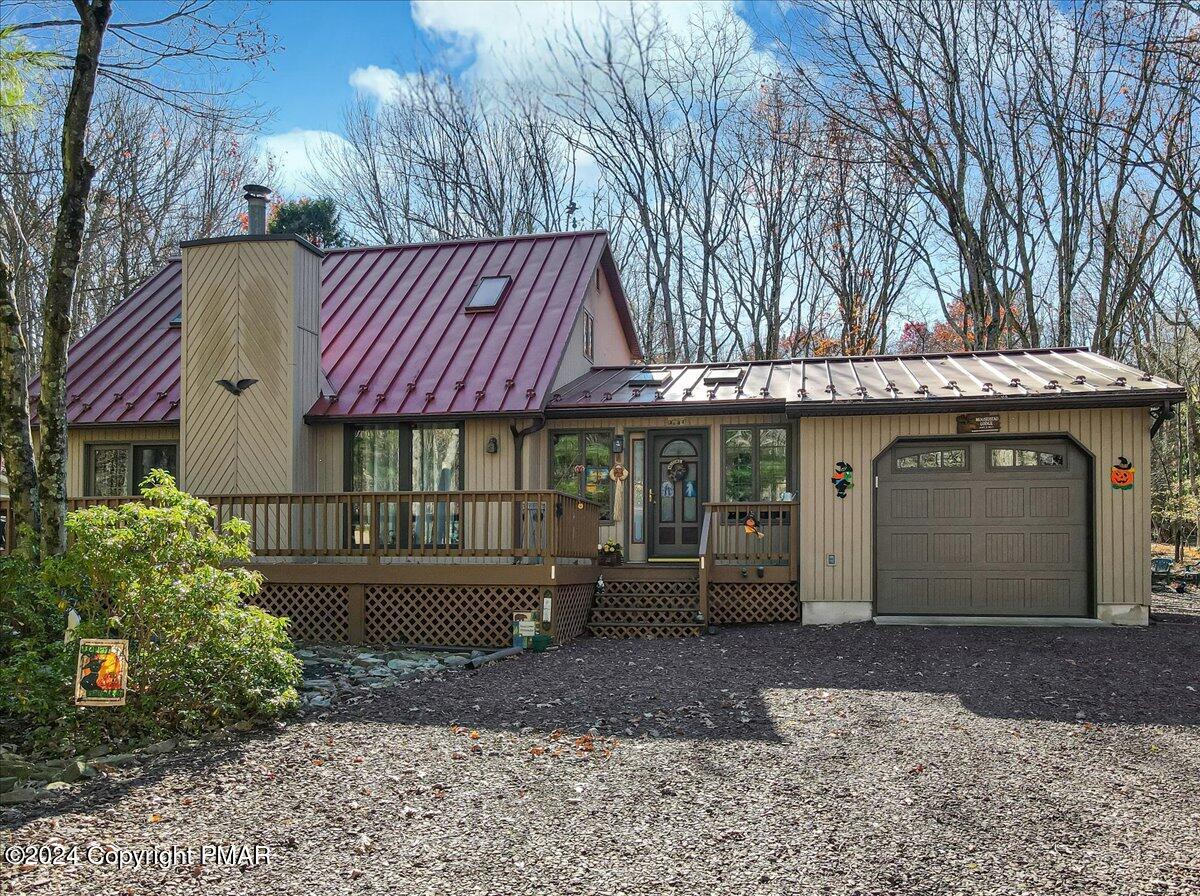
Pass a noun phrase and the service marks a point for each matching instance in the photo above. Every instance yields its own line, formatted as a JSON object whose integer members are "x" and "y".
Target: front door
{"x": 676, "y": 493}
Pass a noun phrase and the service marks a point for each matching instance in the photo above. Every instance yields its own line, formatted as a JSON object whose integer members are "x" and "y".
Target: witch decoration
{"x": 843, "y": 478}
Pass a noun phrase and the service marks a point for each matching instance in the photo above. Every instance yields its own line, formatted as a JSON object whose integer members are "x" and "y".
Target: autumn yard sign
{"x": 101, "y": 672}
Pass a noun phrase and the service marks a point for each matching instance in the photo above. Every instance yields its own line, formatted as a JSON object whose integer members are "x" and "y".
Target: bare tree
{"x": 148, "y": 57}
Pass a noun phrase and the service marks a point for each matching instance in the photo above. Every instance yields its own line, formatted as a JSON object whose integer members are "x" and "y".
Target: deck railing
{"x": 529, "y": 526}
{"x": 757, "y": 533}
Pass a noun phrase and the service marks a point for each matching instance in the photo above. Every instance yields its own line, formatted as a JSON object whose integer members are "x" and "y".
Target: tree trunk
{"x": 15, "y": 437}
{"x": 60, "y": 281}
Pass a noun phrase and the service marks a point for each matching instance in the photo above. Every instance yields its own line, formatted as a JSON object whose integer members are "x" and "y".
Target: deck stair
{"x": 651, "y": 601}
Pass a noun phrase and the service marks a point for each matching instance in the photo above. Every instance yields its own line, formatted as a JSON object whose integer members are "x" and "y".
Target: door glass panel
{"x": 666, "y": 495}
{"x": 739, "y": 465}
{"x": 435, "y": 459}
{"x": 679, "y": 448}
{"x": 110, "y": 467}
{"x": 154, "y": 457}
{"x": 691, "y": 493}
{"x": 638, "y": 477}
{"x": 375, "y": 460}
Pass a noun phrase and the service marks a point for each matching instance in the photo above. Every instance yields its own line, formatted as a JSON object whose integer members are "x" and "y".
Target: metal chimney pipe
{"x": 256, "y": 204}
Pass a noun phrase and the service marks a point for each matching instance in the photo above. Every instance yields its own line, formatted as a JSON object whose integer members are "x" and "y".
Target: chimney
{"x": 256, "y": 203}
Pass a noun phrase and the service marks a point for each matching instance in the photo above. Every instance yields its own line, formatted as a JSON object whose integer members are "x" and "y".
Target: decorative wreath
{"x": 677, "y": 470}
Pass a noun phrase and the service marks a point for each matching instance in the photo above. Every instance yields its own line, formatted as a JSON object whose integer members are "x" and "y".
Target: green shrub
{"x": 157, "y": 573}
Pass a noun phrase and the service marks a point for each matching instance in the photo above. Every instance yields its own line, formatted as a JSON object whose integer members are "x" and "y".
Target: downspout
{"x": 1161, "y": 415}
{"x": 519, "y": 449}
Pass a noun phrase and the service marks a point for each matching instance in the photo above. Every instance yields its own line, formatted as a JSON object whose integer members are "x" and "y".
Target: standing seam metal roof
{"x": 395, "y": 340}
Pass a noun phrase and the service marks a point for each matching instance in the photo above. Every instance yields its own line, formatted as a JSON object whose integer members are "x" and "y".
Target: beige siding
{"x": 78, "y": 438}
{"x": 845, "y": 528}
{"x": 329, "y": 445}
{"x": 611, "y": 347}
{"x": 483, "y": 471}
{"x": 249, "y": 311}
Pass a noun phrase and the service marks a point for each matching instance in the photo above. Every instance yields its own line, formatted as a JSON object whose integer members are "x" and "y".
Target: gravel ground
{"x": 774, "y": 759}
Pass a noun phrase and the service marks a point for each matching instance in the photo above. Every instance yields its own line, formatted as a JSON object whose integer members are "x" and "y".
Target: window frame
{"x": 589, "y": 335}
{"x": 405, "y": 461}
{"x": 1024, "y": 468}
{"x": 607, "y": 513}
{"x": 915, "y": 450}
{"x": 131, "y": 447}
{"x": 468, "y": 308}
{"x": 755, "y": 474}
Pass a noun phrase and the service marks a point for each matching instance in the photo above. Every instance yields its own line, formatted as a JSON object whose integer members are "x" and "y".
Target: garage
{"x": 987, "y": 527}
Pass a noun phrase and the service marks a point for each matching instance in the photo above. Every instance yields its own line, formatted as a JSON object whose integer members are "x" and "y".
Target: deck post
{"x": 356, "y": 604}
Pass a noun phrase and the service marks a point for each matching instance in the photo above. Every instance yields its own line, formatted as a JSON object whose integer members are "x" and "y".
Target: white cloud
{"x": 385, "y": 84}
{"x": 501, "y": 40}
{"x": 294, "y": 157}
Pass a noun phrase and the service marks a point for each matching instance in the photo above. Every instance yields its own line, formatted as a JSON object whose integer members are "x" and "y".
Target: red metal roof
{"x": 126, "y": 369}
{"x": 395, "y": 341}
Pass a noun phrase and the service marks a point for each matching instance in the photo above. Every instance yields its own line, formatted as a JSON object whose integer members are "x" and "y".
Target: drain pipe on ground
{"x": 498, "y": 655}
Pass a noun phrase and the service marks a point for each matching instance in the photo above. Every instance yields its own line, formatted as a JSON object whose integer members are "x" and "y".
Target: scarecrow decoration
{"x": 751, "y": 525}
{"x": 1121, "y": 474}
{"x": 843, "y": 478}
{"x": 618, "y": 473}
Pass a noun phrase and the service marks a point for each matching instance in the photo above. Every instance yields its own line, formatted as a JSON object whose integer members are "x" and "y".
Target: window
{"x": 755, "y": 463}
{"x": 404, "y": 458}
{"x": 1024, "y": 458}
{"x": 579, "y": 465}
{"x": 649, "y": 378}
{"x": 487, "y": 293}
{"x": 401, "y": 458}
{"x": 589, "y": 337}
{"x": 952, "y": 459}
{"x": 637, "y": 449}
{"x": 117, "y": 469}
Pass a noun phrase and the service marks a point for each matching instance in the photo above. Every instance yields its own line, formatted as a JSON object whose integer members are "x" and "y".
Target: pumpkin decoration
{"x": 1122, "y": 473}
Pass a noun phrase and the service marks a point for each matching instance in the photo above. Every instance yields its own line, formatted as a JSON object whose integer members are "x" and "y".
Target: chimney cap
{"x": 256, "y": 191}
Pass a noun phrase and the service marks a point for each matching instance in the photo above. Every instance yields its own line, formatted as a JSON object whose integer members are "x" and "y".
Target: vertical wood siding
{"x": 249, "y": 310}
{"x": 846, "y": 529}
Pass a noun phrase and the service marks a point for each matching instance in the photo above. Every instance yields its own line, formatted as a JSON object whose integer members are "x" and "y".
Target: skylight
{"x": 487, "y": 293}
{"x": 649, "y": 378}
{"x": 720, "y": 377}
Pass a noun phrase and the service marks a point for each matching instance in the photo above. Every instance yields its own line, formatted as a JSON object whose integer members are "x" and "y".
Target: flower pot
{"x": 610, "y": 559}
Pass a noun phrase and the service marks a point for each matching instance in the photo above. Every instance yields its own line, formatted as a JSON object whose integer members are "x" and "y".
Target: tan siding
{"x": 483, "y": 471}
{"x": 328, "y": 445}
{"x": 611, "y": 348}
{"x": 845, "y": 527}
{"x": 249, "y": 310}
{"x": 78, "y": 438}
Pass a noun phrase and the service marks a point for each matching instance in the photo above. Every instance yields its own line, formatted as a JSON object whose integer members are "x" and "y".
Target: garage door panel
{"x": 987, "y": 541}
{"x": 951, "y": 503}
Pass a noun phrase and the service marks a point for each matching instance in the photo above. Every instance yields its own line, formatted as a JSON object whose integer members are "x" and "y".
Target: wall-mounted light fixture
{"x": 492, "y": 446}
{"x": 618, "y": 445}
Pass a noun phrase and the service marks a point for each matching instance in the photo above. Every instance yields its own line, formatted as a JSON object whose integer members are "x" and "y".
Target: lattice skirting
{"x": 615, "y": 589}
{"x": 314, "y": 612}
{"x": 445, "y": 615}
{"x": 572, "y": 603}
{"x": 731, "y": 603}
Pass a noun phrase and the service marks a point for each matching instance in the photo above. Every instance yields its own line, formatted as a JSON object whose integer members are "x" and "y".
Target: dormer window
{"x": 487, "y": 294}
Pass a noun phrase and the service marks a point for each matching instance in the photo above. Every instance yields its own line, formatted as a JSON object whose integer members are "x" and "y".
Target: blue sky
{"x": 331, "y": 50}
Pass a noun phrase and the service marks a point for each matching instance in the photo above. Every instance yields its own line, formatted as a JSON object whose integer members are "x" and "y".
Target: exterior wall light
{"x": 493, "y": 445}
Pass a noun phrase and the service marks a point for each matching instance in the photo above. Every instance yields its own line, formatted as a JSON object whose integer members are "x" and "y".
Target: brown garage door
{"x": 987, "y": 528}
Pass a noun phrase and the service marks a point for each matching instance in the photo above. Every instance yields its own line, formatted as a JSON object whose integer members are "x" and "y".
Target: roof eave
{"x": 857, "y": 407}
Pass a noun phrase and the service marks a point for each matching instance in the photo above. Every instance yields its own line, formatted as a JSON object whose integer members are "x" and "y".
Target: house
{"x": 428, "y": 439}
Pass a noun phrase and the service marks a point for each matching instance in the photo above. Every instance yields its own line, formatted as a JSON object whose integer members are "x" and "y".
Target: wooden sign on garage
{"x": 968, "y": 423}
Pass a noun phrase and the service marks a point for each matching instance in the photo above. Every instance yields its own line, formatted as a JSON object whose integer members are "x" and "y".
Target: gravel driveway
{"x": 773, "y": 759}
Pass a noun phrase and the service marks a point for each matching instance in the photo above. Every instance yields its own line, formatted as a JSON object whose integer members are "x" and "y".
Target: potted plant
{"x": 610, "y": 553}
